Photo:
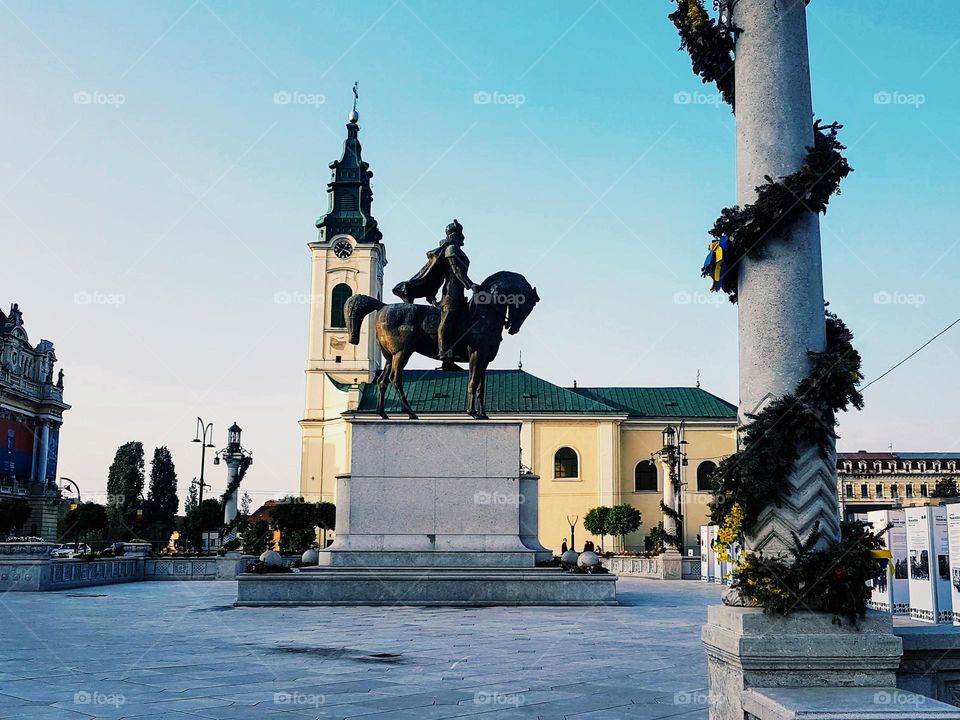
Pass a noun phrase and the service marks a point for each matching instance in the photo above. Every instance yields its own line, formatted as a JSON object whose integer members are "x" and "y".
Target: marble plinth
{"x": 432, "y": 513}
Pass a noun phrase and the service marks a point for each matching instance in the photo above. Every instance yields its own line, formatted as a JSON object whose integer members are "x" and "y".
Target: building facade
{"x": 31, "y": 413}
{"x": 888, "y": 480}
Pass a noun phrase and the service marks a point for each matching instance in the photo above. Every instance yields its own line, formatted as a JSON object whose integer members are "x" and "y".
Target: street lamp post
{"x": 674, "y": 454}
{"x": 76, "y": 487}
{"x": 203, "y": 431}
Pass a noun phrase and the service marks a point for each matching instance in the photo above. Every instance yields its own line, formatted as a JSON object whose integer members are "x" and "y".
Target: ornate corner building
{"x": 889, "y": 480}
{"x": 31, "y": 413}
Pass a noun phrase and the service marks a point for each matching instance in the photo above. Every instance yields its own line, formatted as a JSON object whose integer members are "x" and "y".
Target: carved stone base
{"x": 747, "y": 649}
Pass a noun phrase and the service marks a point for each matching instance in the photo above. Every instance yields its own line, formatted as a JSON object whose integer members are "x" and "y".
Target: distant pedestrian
{"x": 563, "y": 547}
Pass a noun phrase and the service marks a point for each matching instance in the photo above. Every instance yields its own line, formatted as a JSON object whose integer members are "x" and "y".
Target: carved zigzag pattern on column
{"x": 812, "y": 499}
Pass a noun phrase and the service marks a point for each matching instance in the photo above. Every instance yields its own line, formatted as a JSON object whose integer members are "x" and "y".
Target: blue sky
{"x": 155, "y": 199}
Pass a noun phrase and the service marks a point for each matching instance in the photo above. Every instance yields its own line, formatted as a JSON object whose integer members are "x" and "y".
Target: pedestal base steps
{"x": 427, "y": 586}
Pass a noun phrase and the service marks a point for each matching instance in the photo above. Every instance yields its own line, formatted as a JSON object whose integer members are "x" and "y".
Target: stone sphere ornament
{"x": 311, "y": 556}
{"x": 570, "y": 557}
{"x": 588, "y": 559}
{"x": 271, "y": 557}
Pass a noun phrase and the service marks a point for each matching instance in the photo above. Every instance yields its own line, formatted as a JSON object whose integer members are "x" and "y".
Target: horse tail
{"x": 355, "y": 310}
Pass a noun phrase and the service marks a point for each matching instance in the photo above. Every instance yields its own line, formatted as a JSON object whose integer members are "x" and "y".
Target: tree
{"x": 207, "y": 516}
{"x": 125, "y": 484}
{"x": 595, "y": 522}
{"x": 946, "y": 488}
{"x": 622, "y": 520}
{"x": 193, "y": 498}
{"x": 162, "y": 500}
{"x": 297, "y": 522}
{"x": 85, "y": 518}
{"x": 13, "y": 514}
{"x": 255, "y": 537}
{"x": 326, "y": 518}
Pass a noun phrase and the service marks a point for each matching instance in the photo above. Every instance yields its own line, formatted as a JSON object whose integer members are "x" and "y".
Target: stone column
{"x": 781, "y": 289}
{"x": 44, "y": 452}
{"x": 781, "y": 319}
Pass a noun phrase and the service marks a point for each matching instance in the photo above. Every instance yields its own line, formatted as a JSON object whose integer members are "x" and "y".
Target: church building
{"x": 590, "y": 445}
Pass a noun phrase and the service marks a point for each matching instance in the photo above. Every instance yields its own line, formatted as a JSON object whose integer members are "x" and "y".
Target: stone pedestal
{"x": 433, "y": 513}
{"x": 747, "y": 649}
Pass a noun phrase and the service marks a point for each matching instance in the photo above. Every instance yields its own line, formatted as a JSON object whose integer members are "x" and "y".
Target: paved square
{"x": 181, "y": 650}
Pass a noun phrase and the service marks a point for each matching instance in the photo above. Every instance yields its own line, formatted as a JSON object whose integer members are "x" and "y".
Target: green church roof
{"x": 515, "y": 392}
{"x": 664, "y": 402}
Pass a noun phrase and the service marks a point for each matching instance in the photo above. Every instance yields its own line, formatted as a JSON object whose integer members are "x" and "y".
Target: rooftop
{"x": 515, "y": 392}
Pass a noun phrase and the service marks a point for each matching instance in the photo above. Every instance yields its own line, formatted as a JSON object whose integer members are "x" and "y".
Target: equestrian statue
{"x": 453, "y": 330}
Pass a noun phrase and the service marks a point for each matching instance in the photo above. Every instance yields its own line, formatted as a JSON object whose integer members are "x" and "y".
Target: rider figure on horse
{"x": 447, "y": 267}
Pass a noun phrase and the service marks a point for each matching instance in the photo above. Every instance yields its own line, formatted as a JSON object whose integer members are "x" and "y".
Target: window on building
{"x": 894, "y": 491}
{"x": 923, "y": 490}
{"x": 879, "y": 489}
{"x": 704, "y": 473}
{"x": 848, "y": 491}
{"x": 863, "y": 491}
{"x": 910, "y": 490}
{"x": 566, "y": 464}
{"x": 645, "y": 477}
{"x": 341, "y": 293}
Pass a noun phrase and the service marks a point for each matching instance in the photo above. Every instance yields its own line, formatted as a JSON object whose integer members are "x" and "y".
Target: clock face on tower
{"x": 342, "y": 249}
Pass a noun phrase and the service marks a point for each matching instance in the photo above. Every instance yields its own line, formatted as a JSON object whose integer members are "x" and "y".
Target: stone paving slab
{"x": 181, "y": 651}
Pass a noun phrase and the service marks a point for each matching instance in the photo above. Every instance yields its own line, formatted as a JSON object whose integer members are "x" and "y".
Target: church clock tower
{"x": 347, "y": 258}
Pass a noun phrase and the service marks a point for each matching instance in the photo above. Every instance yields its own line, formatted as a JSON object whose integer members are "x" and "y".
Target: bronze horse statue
{"x": 504, "y": 300}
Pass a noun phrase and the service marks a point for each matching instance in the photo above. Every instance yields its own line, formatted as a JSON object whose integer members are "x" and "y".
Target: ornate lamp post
{"x": 673, "y": 455}
{"x": 237, "y": 460}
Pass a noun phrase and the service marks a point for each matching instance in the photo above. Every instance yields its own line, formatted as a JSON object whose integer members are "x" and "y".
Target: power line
{"x": 910, "y": 355}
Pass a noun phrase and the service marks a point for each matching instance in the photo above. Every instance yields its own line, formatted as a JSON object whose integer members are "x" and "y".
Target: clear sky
{"x": 157, "y": 196}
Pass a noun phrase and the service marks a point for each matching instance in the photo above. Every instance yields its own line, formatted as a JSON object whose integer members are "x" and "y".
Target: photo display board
{"x": 941, "y": 546}
{"x": 953, "y": 532}
{"x": 921, "y": 568}
{"x": 719, "y": 565}
{"x": 891, "y": 591}
{"x": 706, "y": 554}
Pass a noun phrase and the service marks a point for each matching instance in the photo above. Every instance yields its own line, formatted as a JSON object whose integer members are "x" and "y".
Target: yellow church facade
{"x": 590, "y": 446}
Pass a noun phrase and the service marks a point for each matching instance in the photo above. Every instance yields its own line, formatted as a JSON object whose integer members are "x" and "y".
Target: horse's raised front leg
{"x": 400, "y": 362}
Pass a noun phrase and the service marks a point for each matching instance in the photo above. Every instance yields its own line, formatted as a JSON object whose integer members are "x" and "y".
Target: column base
{"x": 747, "y": 649}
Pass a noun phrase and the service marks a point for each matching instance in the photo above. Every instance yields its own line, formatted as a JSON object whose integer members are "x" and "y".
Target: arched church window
{"x": 705, "y": 471}
{"x": 645, "y": 477}
{"x": 566, "y": 464}
{"x": 341, "y": 293}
